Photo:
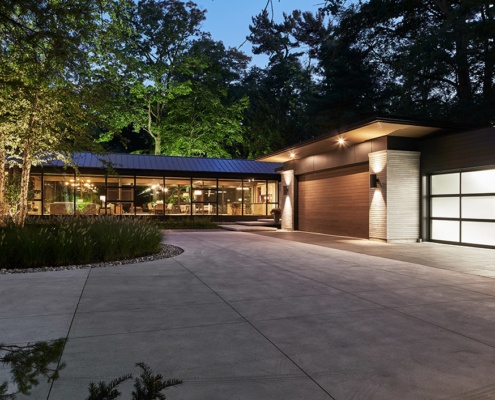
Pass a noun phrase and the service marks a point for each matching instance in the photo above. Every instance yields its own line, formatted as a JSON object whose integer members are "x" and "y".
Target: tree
{"x": 144, "y": 61}
{"x": 207, "y": 121}
{"x": 287, "y": 85}
{"x": 263, "y": 132}
{"x": 440, "y": 53}
{"x": 349, "y": 86}
{"x": 44, "y": 46}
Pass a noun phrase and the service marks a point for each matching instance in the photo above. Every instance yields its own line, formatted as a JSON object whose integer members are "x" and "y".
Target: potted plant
{"x": 276, "y": 212}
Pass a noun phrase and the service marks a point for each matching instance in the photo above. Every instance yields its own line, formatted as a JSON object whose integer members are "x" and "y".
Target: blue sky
{"x": 228, "y": 20}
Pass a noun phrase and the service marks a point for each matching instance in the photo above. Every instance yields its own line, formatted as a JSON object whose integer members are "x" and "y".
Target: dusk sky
{"x": 229, "y": 20}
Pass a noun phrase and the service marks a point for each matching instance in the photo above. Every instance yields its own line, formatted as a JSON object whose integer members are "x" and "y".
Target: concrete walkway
{"x": 250, "y": 316}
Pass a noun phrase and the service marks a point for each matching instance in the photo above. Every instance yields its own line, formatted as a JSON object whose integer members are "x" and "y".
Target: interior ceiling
{"x": 352, "y": 136}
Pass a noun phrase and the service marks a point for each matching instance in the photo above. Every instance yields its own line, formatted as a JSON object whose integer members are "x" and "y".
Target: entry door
{"x": 462, "y": 207}
{"x": 335, "y": 202}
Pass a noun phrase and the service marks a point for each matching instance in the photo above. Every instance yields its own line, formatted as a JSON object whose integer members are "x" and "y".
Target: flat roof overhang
{"x": 354, "y": 134}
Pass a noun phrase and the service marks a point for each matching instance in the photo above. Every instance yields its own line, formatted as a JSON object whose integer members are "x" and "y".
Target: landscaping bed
{"x": 77, "y": 241}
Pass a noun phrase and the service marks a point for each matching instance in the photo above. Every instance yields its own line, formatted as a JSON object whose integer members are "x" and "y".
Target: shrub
{"x": 69, "y": 241}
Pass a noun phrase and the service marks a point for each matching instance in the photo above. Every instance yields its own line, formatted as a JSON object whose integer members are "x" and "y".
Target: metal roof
{"x": 167, "y": 163}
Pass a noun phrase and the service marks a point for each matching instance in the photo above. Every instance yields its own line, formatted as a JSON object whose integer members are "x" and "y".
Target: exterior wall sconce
{"x": 285, "y": 190}
{"x": 374, "y": 181}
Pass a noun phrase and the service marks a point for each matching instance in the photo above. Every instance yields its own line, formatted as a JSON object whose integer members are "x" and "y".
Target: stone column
{"x": 286, "y": 199}
{"x": 395, "y": 203}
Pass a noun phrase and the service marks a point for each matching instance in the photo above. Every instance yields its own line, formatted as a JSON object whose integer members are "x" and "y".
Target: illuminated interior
{"x": 62, "y": 194}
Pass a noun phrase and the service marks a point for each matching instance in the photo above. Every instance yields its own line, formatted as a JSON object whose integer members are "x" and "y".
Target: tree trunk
{"x": 26, "y": 173}
{"x": 464, "y": 91}
{"x": 3, "y": 163}
{"x": 26, "y": 166}
{"x": 156, "y": 138}
{"x": 158, "y": 145}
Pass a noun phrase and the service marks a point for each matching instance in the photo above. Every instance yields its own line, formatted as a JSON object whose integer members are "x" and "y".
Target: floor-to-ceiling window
{"x": 178, "y": 196}
{"x": 260, "y": 196}
{"x": 462, "y": 207}
{"x": 150, "y": 195}
{"x": 56, "y": 194}
{"x": 230, "y": 197}
{"x": 204, "y": 196}
{"x": 119, "y": 197}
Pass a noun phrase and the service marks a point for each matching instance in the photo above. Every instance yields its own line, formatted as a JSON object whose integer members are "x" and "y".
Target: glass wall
{"x": 178, "y": 196}
{"x": 150, "y": 196}
{"x": 462, "y": 207}
{"x": 139, "y": 195}
{"x": 260, "y": 196}
{"x": 59, "y": 194}
{"x": 89, "y": 194}
{"x": 229, "y": 197}
{"x": 204, "y": 196}
{"x": 119, "y": 198}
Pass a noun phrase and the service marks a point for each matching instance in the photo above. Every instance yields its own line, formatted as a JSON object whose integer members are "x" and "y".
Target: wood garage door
{"x": 335, "y": 202}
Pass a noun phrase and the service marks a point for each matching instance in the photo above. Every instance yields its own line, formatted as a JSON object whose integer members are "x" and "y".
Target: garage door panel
{"x": 462, "y": 207}
{"x": 335, "y": 202}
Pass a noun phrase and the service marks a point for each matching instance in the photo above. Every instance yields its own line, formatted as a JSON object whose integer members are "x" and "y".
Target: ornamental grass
{"x": 75, "y": 241}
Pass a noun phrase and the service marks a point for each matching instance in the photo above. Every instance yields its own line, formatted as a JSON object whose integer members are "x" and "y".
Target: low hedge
{"x": 71, "y": 241}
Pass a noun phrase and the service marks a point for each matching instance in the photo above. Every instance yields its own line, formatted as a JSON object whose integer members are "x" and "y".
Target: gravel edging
{"x": 167, "y": 251}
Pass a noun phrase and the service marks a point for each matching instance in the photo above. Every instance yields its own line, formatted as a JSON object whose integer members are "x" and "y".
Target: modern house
{"x": 392, "y": 180}
{"x": 386, "y": 179}
{"x": 128, "y": 184}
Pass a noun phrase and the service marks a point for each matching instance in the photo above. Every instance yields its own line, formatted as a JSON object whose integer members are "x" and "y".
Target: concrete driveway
{"x": 246, "y": 316}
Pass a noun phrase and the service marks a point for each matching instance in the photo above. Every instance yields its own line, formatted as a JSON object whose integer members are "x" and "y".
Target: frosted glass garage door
{"x": 462, "y": 207}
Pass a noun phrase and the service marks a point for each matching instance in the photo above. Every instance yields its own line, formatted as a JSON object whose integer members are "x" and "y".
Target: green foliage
{"x": 30, "y": 361}
{"x": 187, "y": 223}
{"x": 44, "y": 47}
{"x": 147, "y": 386}
{"x": 149, "y": 50}
{"x": 69, "y": 241}
{"x": 170, "y": 80}
{"x": 208, "y": 127}
{"x": 106, "y": 391}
